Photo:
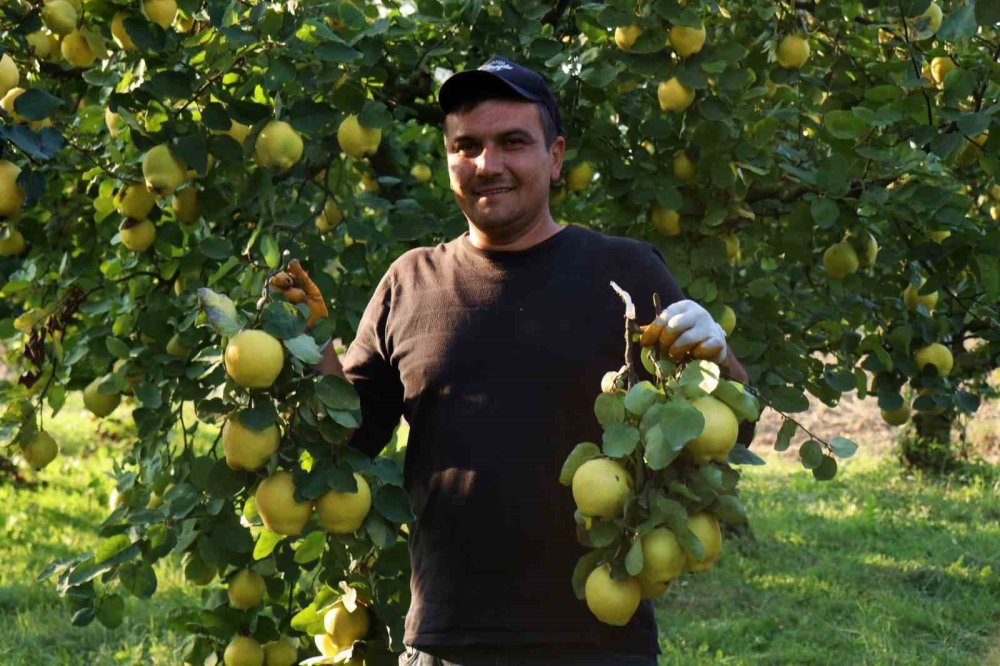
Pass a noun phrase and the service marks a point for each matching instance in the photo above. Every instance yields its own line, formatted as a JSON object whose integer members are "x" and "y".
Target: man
{"x": 493, "y": 346}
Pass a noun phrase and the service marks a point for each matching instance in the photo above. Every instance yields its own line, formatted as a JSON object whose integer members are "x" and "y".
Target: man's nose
{"x": 489, "y": 162}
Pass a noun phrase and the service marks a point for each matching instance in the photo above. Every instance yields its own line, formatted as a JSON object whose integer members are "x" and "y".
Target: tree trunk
{"x": 929, "y": 447}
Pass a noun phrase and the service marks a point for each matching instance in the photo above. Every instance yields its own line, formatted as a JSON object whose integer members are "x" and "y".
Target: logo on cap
{"x": 496, "y": 66}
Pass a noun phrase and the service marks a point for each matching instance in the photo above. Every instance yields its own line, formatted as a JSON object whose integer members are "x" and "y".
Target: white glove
{"x": 694, "y": 330}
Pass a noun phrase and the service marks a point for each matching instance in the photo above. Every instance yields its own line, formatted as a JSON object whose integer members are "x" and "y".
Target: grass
{"x": 56, "y": 521}
{"x": 875, "y": 567}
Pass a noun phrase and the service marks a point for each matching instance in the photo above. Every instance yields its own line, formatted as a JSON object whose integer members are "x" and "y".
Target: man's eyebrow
{"x": 504, "y": 134}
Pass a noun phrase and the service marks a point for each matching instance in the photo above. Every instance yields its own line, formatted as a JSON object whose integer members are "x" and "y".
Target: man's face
{"x": 500, "y": 167}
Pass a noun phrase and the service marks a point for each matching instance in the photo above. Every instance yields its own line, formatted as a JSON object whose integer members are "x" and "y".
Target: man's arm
{"x": 733, "y": 369}
{"x": 329, "y": 363}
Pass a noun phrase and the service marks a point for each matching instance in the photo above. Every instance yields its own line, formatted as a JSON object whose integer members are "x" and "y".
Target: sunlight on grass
{"x": 874, "y": 567}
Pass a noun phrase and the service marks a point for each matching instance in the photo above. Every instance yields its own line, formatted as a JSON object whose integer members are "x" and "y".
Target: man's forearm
{"x": 733, "y": 369}
{"x": 329, "y": 363}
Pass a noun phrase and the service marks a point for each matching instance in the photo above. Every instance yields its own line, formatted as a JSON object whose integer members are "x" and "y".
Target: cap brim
{"x": 455, "y": 89}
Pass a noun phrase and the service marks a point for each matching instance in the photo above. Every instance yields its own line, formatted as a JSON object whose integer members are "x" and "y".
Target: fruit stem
{"x": 633, "y": 376}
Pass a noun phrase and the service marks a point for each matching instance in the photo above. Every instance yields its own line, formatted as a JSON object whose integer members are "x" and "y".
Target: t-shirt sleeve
{"x": 650, "y": 276}
{"x": 650, "y": 270}
{"x": 368, "y": 368}
{"x": 669, "y": 290}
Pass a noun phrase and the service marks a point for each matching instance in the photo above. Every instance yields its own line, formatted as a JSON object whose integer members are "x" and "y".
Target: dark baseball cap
{"x": 499, "y": 74}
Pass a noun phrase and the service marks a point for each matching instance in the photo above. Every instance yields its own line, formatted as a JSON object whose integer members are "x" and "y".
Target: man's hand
{"x": 686, "y": 327}
{"x": 295, "y": 284}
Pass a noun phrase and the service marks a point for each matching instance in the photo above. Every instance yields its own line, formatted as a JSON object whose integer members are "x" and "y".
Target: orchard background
{"x": 835, "y": 200}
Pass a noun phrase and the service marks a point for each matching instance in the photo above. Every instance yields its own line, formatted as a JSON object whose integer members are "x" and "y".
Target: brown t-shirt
{"x": 495, "y": 359}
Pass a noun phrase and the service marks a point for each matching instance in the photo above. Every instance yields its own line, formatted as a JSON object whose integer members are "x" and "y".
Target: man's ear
{"x": 557, "y": 150}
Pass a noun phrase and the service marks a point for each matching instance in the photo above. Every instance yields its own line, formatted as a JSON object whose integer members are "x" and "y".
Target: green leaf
{"x": 843, "y": 124}
{"x": 599, "y": 76}
{"x": 681, "y": 422}
{"x": 739, "y": 399}
{"x": 110, "y": 611}
{"x": 958, "y": 85}
{"x": 841, "y": 381}
{"x": 741, "y": 455}
{"x": 83, "y": 617}
{"x": 967, "y": 402}
{"x": 378, "y": 530}
{"x": 337, "y": 52}
{"x": 730, "y": 509}
{"x": 393, "y": 503}
{"x": 223, "y": 481}
{"x": 914, "y": 7}
{"x": 989, "y": 275}
{"x": 609, "y": 408}
{"x": 580, "y": 454}
{"x": 36, "y": 104}
{"x": 145, "y": 35}
{"x": 42, "y": 145}
{"x": 310, "y": 618}
{"x": 139, "y": 579}
{"x": 974, "y": 124}
{"x": 269, "y": 249}
{"x": 337, "y": 393}
{"x": 344, "y": 418}
{"x": 216, "y": 248}
{"x": 811, "y": 454}
{"x": 641, "y": 397}
{"x": 785, "y": 434}
{"x": 603, "y": 532}
{"x": 260, "y": 416}
{"x": 221, "y": 312}
{"x": 310, "y": 548}
{"x": 987, "y": 13}
{"x": 701, "y": 375}
{"x": 149, "y": 396}
{"x": 304, "y": 348}
{"x": 192, "y": 149}
{"x": 843, "y": 447}
{"x": 789, "y": 399}
{"x": 651, "y": 417}
{"x": 111, "y": 547}
{"x": 620, "y": 440}
{"x": 689, "y": 542}
{"x": 657, "y": 452}
{"x": 281, "y": 320}
{"x": 634, "y": 560}
{"x": 352, "y": 16}
{"x": 117, "y": 348}
{"x": 826, "y": 469}
{"x": 167, "y": 84}
{"x": 86, "y": 571}
{"x": 375, "y": 115}
{"x": 161, "y": 540}
{"x": 266, "y": 542}
{"x": 311, "y": 117}
{"x": 584, "y": 566}
{"x": 825, "y": 212}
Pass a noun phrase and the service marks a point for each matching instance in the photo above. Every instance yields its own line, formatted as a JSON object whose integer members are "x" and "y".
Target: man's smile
{"x": 493, "y": 191}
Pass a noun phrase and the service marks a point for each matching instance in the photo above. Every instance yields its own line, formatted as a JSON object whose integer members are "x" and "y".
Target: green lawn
{"x": 876, "y": 567}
